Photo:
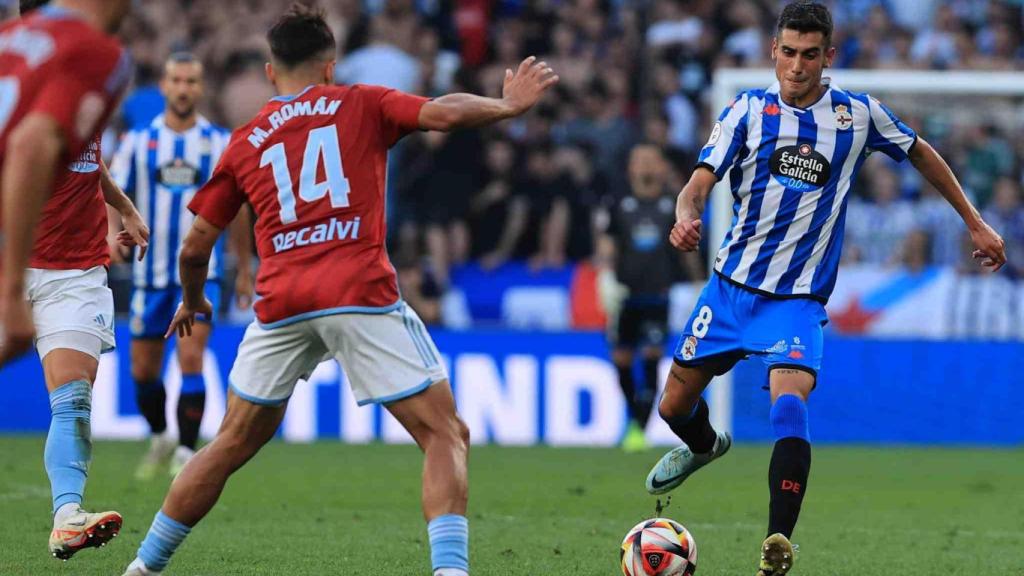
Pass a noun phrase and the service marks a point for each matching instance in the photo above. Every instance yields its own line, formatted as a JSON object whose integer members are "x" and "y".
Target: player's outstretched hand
{"x": 525, "y": 87}
{"x": 686, "y": 235}
{"x": 989, "y": 247}
{"x": 16, "y": 329}
{"x": 184, "y": 318}
{"x": 135, "y": 233}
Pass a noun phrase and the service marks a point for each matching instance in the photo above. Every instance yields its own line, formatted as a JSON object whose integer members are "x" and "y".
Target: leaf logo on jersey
{"x": 800, "y": 167}
{"x": 178, "y": 174}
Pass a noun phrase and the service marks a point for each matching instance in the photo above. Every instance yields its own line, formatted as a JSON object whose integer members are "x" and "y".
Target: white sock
{"x": 64, "y": 512}
{"x": 139, "y": 564}
{"x": 450, "y": 572}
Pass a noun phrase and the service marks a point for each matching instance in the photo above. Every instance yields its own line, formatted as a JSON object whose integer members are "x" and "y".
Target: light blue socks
{"x": 449, "y": 544}
{"x": 69, "y": 444}
{"x": 164, "y": 537}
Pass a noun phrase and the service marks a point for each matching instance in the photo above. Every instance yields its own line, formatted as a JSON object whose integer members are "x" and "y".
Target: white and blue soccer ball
{"x": 659, "y": 547}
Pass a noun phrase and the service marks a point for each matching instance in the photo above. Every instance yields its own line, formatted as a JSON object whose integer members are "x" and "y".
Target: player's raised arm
{"x": 988, "y": 244}
{"x": 521, "y": 91}
{"x": 685, "y": 235}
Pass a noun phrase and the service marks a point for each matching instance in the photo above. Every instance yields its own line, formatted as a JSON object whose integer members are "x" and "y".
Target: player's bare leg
{"x": 431, "y": 419}
{"x": 246, "y": 428}
{"x": 151, "y": 398}
{"x": 686, "y": 413}
{"x": 790, "y": 465}
{"x": 192, "y": 397}
{"x": 69, "y": 377}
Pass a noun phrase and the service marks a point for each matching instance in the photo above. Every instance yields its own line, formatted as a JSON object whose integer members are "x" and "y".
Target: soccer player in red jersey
{"x": 60, "y": 74}
{"x": 312, "y": 164}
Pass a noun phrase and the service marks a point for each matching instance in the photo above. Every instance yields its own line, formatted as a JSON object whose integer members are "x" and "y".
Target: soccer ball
{"x": 659, "y": 547}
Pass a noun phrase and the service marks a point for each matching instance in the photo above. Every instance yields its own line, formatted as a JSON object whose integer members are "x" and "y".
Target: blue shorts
{"x": 153, "y": 309}
{"x": 730, "y": 323}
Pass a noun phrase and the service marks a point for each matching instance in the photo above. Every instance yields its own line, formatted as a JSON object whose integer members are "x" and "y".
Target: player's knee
{"x": 622, "y": 357}
{"x": 191, "y": 361}
{"x": 653, "y": 353}
{"x": 452, "y": 433}
{"x": 462, "y": 431}
{"x": 144, "y": 374}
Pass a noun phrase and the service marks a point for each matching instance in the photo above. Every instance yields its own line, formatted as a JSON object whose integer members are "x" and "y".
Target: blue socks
{"x": 193, "y": 384}
{"x": 164, "y": 537}
{"x": 790, "y": 466}
{"x": 789, "y": 418}
{"x": 69, "y": 443}
{"x": 449, "y": 542}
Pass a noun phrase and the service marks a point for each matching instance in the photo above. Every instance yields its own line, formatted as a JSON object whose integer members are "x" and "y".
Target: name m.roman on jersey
{"x": 288, "y": 111}
{"x": 800, "y": 167}
{"x": 329, "y": 232}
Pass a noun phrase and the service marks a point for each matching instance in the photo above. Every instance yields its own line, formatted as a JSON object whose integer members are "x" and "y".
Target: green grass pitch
{"x": 328, "y": 508}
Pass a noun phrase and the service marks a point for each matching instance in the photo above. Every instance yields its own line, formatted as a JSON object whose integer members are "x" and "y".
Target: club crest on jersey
{"x": 800, "y": 167}
{"x": 178, "y": 174}
{"x": 843, "y": 117}
{"x": 689, "y": 348}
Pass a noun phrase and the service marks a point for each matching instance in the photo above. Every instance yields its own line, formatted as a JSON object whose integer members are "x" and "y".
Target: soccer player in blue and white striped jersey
{"x": 791, "y": 152}
{"x": 162, "y": 166}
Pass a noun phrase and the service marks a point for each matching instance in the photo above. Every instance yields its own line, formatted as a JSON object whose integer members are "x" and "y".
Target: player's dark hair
{"x": 27, "y": 6}
{"x": 807, "y": 17}
{"x": 183, "y": 57}
{"x": 300, "y": 35}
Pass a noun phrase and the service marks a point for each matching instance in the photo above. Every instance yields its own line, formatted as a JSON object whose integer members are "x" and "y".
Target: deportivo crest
{"x": 689, "y": 348}
{"x": 843, "y": 117}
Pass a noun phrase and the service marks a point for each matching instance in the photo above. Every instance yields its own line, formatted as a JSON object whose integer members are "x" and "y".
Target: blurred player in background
{"x": 792, "y": 151}
{"x": 312, "y": 165}
{"x": 62, "y": 74}
{"x": 162, "y": 166}
{"x": 633, "y": 244}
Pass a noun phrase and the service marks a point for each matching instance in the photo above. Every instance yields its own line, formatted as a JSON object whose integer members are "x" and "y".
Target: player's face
{"x": 800, "y": 58}
{"x": 647, "y": 171}
{"x": 182, "y": 86}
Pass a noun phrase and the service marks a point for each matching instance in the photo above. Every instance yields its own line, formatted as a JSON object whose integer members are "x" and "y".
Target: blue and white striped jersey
{"x": 790, "y": 171}
{"x": 162, "y": 169}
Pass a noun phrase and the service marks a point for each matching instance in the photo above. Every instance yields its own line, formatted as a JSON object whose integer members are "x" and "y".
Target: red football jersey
{"x": 72, "y": 233}
{"x": 313, "y": 168}
{"x": 55, "y": 63}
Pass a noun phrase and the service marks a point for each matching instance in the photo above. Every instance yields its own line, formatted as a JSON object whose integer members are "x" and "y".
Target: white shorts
{"x": 386, "y": 357}
{"x": 69, "y": 303}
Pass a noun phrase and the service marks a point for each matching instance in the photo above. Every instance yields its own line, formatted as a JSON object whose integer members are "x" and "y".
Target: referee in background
{"x": 645, "y": 267}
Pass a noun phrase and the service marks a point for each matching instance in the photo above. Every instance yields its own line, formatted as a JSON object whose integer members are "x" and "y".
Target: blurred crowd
{"x": 538, "y": 188}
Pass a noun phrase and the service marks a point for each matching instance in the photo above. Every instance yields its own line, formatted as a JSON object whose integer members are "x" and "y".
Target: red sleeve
{"x": 81, "y": 94}
{"x": 220, "y": 199}
{"x": 400, "y": 113}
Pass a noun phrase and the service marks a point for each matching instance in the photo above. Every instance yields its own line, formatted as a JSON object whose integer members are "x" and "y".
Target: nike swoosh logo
{"x": 655, "y": 483}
